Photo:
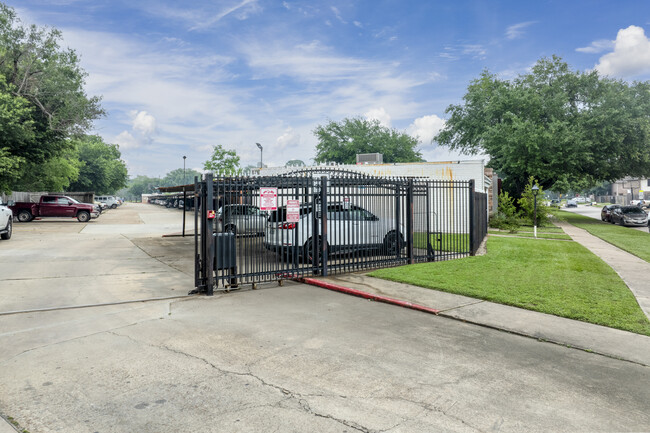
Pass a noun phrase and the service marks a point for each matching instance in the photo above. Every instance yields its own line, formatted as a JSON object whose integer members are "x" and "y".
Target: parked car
{"x": 54, "y": 206}
{"x": 241, "y": 218}
{"x": 581, "y": 199}
{"x": 6, "y": 220}
{"x": 571, "y": 203}
{"x": 101, "y": 205}
{"x": 630, "y": 216}
{"x": 110, "y": 200}
{"x": 350, "y": 228}
{"x": 606, "y": 212}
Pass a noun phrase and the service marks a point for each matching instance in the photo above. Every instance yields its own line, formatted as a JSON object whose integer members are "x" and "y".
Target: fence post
{"x": 323, "y": 224}
{"x": 472, "y": 219}
{"x": 197, "y": 266}
{"x": 409, "y": 222}
{"x": 209, "y": 206}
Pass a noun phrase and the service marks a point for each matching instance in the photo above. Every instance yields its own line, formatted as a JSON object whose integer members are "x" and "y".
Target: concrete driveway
{"x": 287, "y": 359}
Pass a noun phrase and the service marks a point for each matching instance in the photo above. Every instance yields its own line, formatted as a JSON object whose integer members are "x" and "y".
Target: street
{"x": 289, "y": 359}
{"x": 594, "y": 212}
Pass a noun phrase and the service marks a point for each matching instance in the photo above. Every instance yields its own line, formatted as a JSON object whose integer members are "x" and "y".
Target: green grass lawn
{"x": 560, "y": 278}
{"x": 451, "y": 242}
{"x": 633, "y": 241}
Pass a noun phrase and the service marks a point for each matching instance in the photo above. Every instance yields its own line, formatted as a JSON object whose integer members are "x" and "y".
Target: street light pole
{"x": 184, "y": 158}
{"x": 261, "y": 150}
{"x": 535, "y": 189}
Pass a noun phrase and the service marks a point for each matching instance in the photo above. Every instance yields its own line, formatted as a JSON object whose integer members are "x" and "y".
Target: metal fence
{"x": 255, "y": 229}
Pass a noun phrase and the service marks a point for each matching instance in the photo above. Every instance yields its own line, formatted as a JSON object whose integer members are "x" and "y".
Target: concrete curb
{"x": 588, "y": 337}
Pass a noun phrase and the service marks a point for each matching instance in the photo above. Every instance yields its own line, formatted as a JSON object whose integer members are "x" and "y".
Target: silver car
{"x": 240, "y": 219}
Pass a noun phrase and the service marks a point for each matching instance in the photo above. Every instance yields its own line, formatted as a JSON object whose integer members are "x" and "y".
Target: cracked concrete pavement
{"x": 286, "y": 359}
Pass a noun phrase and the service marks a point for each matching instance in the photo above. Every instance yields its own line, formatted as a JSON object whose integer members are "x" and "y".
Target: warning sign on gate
{"x": 293, "y": 211}
{"x": 268, "y": 199}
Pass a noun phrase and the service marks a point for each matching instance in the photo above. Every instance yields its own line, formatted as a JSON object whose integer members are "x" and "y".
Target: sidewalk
{"x": 586, "y": 336}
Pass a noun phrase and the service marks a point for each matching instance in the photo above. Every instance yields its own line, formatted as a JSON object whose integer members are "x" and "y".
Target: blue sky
{"x": 177, "y": 77}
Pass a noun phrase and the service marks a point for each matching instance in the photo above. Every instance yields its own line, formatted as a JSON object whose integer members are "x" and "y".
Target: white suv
{"x": 110, "y": 200}
{"x": 6, "y": 221}
{"x": 350, "y": 228}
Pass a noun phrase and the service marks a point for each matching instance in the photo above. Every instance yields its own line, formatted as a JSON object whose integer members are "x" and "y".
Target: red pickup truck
{"x": 54, "y": 206}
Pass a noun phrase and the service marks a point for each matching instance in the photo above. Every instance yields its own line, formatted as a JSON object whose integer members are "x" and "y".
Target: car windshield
{"x": 73, "y": 200}
{"x": 632, "y": 210}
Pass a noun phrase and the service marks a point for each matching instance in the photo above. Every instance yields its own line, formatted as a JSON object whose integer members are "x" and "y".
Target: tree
{"x": 142, "y": 185}
{"x": 101, "y": 169}
{"x": 222, "y": 160}
{"x": 295, "y": 163}
{"x": 568, "y": 129}
{"x": 180, "y": 177}
{"x": 342, "y": 141}
{"x": 42, "y": 104}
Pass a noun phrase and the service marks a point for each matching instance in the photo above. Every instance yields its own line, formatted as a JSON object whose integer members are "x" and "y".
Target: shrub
{"x": 527, "y": 204}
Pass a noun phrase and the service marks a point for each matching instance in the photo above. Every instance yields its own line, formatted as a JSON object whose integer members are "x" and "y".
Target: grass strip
{"x": 530, "y": 235}
{"x": 560, "y": 278}
{"x": 633, "y": 241}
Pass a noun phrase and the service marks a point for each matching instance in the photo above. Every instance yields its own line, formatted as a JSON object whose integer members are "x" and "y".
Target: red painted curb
{"x": 366, "y": 295}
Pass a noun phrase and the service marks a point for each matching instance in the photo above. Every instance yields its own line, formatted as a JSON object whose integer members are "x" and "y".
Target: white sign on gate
{"x": 293, "y": 211}
{"x": 268, "y": 199}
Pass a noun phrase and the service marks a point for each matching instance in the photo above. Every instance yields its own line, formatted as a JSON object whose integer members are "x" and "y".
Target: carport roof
{"x": 178, "y": 188}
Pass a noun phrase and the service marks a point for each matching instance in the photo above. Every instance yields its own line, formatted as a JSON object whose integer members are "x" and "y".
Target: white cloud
{"x": 517, "y": 30}
{"x": 379, "y": 114}
{"x": 143, "y": 122}
{"x": 425, "y": 128}
{"x": 631, "y": 55}
{"x": 290, "y": 138}
{"x": 204, "y": 18}
{"x": 597, "y": 46}
{"x": 357, "y": 24}
{"x": 126, "y": 141}
{"x": 337, "y": 14}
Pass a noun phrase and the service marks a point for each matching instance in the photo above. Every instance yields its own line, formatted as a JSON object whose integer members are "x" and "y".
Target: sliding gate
{"x": 265, "y": 228}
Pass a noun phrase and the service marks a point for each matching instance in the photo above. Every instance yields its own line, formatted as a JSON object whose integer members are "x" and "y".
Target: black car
{"x": 629, "y": 216}
{"x": 606, "y": 213}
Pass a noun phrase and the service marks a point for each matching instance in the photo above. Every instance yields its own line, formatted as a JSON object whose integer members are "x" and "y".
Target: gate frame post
{"x": 198, "y": 279}
{"x": 472, "y": 219}
{"x": 209, "y": 206}
{"x": 409, "y": 222}
{"x": 323, "y": 223}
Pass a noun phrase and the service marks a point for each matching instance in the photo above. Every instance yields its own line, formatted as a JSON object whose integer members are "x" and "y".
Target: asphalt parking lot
{"x": 288, "y": 359}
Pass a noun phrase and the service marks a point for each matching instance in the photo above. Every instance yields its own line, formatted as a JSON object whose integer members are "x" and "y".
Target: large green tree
{"x": 566, "y": 128}
{"x": 42, "y": 102}
{"x": 222, "y": 160}
{"x": 342, "y": 141}
{"x": 180, "y": 177}
{"x": 102, "y": 170}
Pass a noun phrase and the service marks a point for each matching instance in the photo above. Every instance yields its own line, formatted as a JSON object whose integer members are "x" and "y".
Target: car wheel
{"x": 393, "y": 243}
{"x": 113, "y": 206}
{"x": 308, "y": 253}
{"x": 25, "y": 216}
{"x": 83, "y": 216}
{"x": 9, "y": 229}
{"x": 231, "y": 228}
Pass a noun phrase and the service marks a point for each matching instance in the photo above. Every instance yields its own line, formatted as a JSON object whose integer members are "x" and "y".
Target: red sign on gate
{"x": 293, "y": 211}
{"x": 268, "y": 199}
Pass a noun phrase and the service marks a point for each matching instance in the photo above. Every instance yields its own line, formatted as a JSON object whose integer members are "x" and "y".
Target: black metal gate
{"x": 317, "y": 222}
